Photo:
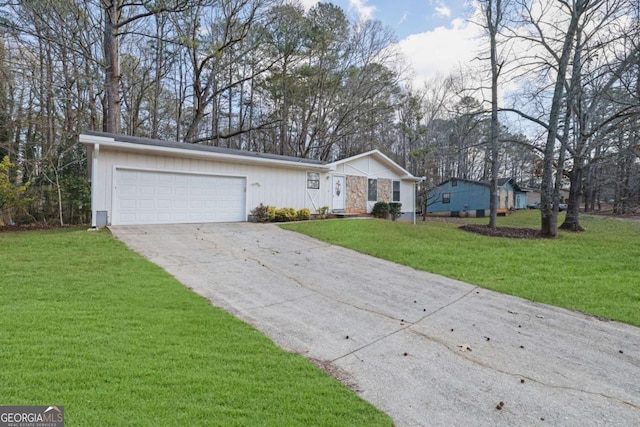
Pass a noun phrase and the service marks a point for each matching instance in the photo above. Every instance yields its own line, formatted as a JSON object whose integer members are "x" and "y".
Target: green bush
{"x": 380, "y": 210}
{"x": 262, "y": 213}
{"x": 285, "y": 215}
{"x": 271, "y": 213}
{"x": 12, "y": 197}
{"x": 322, "y": 211}
{"x": 395, "y": 210}
{"x": 303, "y": 214}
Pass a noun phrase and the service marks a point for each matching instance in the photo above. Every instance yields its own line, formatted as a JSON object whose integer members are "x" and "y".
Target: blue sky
{"x": 407, "y": 17}
{"x": 435, "y": 36}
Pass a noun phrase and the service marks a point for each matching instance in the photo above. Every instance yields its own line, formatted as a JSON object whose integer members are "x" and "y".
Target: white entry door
{"x": 338, "y": 188}
{"x": 149, "y": 197}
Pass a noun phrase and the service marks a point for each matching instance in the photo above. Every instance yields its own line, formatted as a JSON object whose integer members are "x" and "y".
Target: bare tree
{"x": 118, "y": 14}
{"x": 493, "y": 11}
{"x": 551, "y": 29}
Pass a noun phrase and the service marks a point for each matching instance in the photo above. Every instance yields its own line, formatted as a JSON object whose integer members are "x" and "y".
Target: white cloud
{"x": 441, "y": 50}
{"x": 443, "y": 11}
{"x": 404, "y": 18}
{"x": 364, "y": 11}
{"x": 308, "y": 4}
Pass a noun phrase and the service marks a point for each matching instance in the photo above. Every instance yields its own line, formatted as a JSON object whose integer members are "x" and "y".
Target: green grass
{"x": 596, "y": 272}
{"x": 88, "y": 324}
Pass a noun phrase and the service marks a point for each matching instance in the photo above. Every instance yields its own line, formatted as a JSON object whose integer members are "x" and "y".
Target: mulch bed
{"x": 510, "y": 232}
{"x": 30, "y": 227}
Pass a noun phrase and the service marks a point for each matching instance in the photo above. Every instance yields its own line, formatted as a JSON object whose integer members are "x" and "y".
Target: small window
{"x": 454, "y": 182}
{"x": 396, "y": 191}
{"x": 373, "y": 190}
{"x": 446, "y": 197}
{"x": 313, "y": 180}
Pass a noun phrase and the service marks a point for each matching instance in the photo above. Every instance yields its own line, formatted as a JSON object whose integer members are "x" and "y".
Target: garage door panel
{"x": 128, "y": 189}
{"x": 127, "y": 219}
{"x": 164, "y": 203}
{"x": 128, "y": 203}
{"x": 164, "y": 217}
{"x": 144, "y": 197}
{"x": 146, "y": 204}
{"x": 165, "y": 179}
{"x": 164, "y": 190}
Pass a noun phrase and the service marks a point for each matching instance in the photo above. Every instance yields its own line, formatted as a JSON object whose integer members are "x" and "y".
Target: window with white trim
{"x": 313, "y": 180}
{"x": 373, "y": 190}
{"x": 396, "y": 191}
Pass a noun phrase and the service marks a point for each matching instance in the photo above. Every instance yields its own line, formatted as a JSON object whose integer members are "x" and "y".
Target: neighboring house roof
{"x": 377, "y": 154}
{"x": 133, "y": 143}
{"x": 501, "y": 181}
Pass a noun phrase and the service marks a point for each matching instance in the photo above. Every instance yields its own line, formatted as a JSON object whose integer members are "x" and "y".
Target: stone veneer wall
{"x": 384, "y": 190}
{"x": 356, "y": 194}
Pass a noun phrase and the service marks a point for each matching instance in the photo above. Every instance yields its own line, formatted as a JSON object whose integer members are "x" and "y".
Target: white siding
{"x": 366, "y": 166}
{"x": 274, "y": 186}
{"x": 370, "y": 167}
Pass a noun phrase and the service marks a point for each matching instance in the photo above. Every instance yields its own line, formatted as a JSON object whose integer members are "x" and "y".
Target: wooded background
{"x": 268, "y": 76}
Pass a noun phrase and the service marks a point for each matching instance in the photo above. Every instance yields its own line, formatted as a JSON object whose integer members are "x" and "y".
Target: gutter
{"x": 181, "y": 152}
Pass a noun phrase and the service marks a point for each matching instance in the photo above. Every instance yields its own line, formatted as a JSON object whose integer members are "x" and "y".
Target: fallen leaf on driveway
{"x": 465, "y": 347}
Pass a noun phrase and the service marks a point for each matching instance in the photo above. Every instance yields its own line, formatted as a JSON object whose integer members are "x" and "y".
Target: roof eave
{"x": 230, "y": 158}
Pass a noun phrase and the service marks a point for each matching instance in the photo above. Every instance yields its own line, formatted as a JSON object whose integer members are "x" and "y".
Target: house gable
{"x": 372, "y": 164}
{"x": 359, "y": 170}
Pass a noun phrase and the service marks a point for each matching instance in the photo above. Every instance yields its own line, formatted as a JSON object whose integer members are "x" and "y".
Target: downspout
{"x": 94, "y": 180}
{"x": 415, "y": 183}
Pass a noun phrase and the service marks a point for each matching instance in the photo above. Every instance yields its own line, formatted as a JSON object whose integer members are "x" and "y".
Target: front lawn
{"x": 87, "y": 324}
{"x": 596, "y": 272}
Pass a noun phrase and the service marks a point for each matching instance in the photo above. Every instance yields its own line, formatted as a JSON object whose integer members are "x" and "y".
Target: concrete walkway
{"x": 428, "y": 350}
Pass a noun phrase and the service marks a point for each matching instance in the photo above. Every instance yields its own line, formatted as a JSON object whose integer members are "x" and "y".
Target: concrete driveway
{"x": 425, "y": 349}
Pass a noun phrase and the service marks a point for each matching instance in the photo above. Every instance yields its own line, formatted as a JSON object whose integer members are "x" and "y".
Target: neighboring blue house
{"x": 462, "y": 197}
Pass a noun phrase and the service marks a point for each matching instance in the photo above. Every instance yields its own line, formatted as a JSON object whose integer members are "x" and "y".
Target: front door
{"x": 338, "y": 191}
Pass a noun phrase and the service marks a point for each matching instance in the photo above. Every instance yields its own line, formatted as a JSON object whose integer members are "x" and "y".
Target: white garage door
{"x": 144, "y": 197}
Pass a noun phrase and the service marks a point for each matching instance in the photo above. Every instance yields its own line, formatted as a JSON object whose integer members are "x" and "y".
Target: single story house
{"x": 534, "y": 196}
{"x": 144, "y": 181}
{"x": 463, "y": 197}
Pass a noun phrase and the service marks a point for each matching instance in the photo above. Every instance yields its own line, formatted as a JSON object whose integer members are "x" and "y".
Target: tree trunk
{"x": 157, "y": 81}
{"x": 549, "y": 215}
{"x": 494, "y": 22}
{"x": 112, "y": 66}
{"x": 571, "y": 220}
{"x": 492, "y": 11}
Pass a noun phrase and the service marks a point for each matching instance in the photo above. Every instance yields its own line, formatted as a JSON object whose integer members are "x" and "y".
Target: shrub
{"x": 271, "y": 213}
{"x": 380, "y": 210}
{"x": 395, "y": 210}
{"x": 12, "y": 197}
{"x": 260, "y": 213}
{"x": 285, "y": 215}
{"x": 322, "y": 211}
{"x": 303, "y": 214}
